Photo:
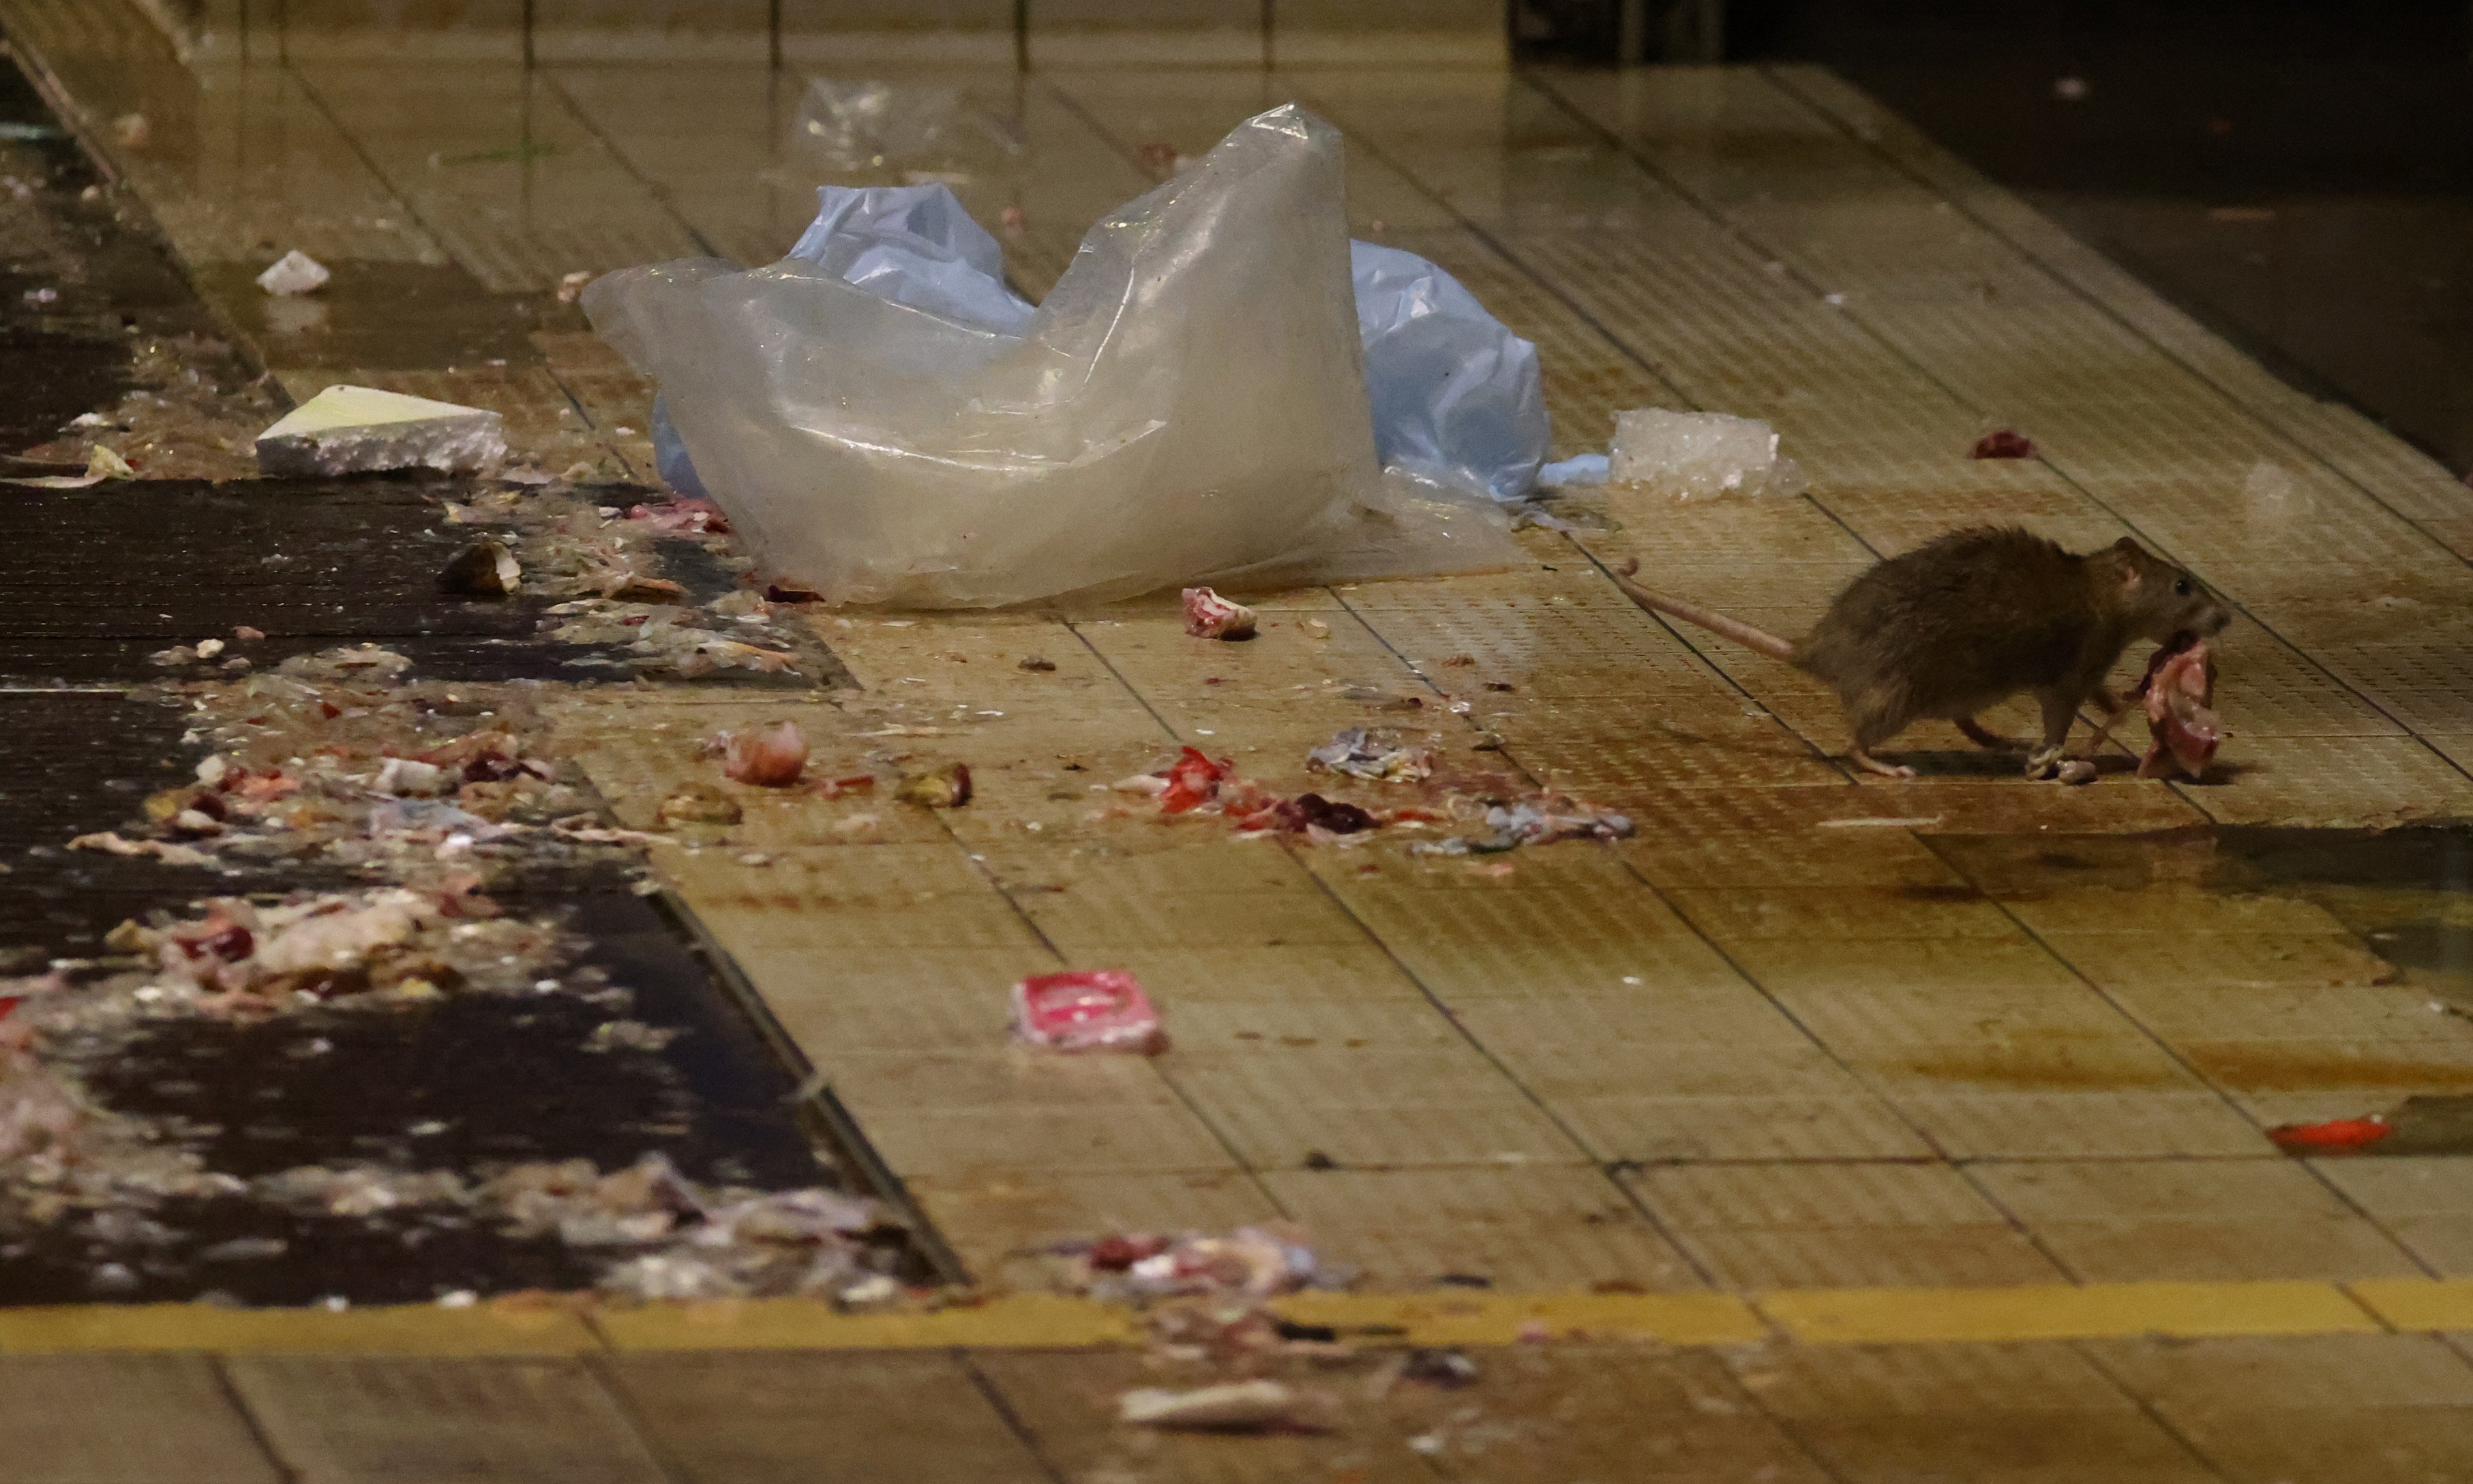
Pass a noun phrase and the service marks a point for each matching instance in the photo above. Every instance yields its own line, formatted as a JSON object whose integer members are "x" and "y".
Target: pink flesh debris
{"x": 1210, "y": 616}
{"x": 767, "y": 760}
{"x": 2185, "y": 732}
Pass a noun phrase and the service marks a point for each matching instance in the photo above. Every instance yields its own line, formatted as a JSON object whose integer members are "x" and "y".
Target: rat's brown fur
{"x": 1968, "y": 621}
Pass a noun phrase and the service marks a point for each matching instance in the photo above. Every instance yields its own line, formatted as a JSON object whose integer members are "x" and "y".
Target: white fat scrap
{"x": 294, "y": 272}
{"x": 354, "y": 430}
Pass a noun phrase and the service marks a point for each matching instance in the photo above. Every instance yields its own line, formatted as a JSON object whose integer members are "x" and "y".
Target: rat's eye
{"x": 2182, "y": 587}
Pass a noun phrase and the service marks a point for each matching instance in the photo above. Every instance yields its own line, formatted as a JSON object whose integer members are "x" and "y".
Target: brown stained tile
{"x": 2192, "y": 1220}
{"x": 1882, "y": 858}
{"x": 1093, "y": 920}
{"x": 756, "y": 1419}
{"x": 1521, "y": 1227}
{"x": 1842, "y": 913}
{"x": 80, "y": 1419}
{"x": 1387, "y": 1083}
{"x": 996, "y": 1221}
{"x": 2349, "y": 782}
{"x": 341, "y": 1419}
{"x": 1460, "y": 952}
{"x": 2158, "y": 908}
{"x": 2424, "y": 1202}
{"x": 1964, "y": 806}
{"x": 1786, "y": 965}
{"x": 2079, "y": 1125}
{"x": 1919, "y": 1019}
{"x": 1609, "y": 767}
{"x": 1838, "y": 1226}
{"x": 1651, "y": 1126}
{"x": 1553, "y": 652}
{"x": 2258, "y": 961}
{"x": 1564, "y": 1413}
{"x": 2339, "y": 1408}
{"x": 1611, "y": 1023}
{"x": 1974, "y": 1412}
{"x": 2371, "y": 1071}
{"x": 1315, "y": 974}
{"x": 975, "y": 1142}
{"x": 2394, "y": 1014}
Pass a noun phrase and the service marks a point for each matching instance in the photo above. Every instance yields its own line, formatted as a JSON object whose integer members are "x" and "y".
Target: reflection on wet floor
{"x": 2408, "y": 895}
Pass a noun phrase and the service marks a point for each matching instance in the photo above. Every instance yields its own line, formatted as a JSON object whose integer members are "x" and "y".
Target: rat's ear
{"x": 2128, "y": 547}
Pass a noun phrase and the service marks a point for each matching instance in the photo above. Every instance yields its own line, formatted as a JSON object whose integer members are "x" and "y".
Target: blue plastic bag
{"x": 1455, "y": 396}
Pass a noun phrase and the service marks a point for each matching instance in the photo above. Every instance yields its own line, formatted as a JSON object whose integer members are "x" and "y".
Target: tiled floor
{"x": 1805, "y": 1031}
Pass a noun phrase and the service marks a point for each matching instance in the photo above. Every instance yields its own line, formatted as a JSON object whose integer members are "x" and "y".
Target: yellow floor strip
{"x": 2418, "y": 1302}
{"x": 1024, "y": 1320}
{"x": 1477, "y": 1318}
{"x": 412, "y": 1330}
{"x": 2059, "y": 1311}
{"x": 1820, "y": 1316}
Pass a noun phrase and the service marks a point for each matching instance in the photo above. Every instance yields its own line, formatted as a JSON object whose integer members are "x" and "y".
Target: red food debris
{"x": 767, "y": 760}
{"x": 329, "y": 710}
{"x": 1115, "y": 1254}
{"x": 834, "y": 789}
{"x": 2180, "y": 689}
{"x": 223, "y": 940}
{"x": 1012, "y": 218}
{"x": 791, "y": 592}
{"x": 2004, "y": 443}
{"x": 1193, "y": 781}
{"x": 687, "y": 515}
{"x": 2334, "y": 1134}
{"x": 1210, "y": 616}
{"x": 1312, "y": 811}
{"x": 10, "y": 1002}
{"x": 1087, "y": 1010}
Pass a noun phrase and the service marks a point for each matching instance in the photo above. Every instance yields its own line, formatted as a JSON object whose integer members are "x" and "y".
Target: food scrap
{"x": 943, "y": 787}
{"x": 766, "y": 760}
{"x": 2004, "y": 443}
{"x": 2180, "y": 689}
{"x": 1210, "y": 616}
{"x": 1363, "y": 754}
{"x": 2335, "y": 1136}
{"x": 1090, "y": 1010}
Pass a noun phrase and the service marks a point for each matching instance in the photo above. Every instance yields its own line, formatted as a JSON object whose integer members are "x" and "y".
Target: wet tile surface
{"x": 2001, "y": 1034}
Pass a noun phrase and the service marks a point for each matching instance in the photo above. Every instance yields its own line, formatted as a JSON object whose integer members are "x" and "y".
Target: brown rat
{"x": 1968, "y": 621}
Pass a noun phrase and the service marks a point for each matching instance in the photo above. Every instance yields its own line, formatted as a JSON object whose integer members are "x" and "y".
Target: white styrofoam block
{"x": 354, "y": 430}
{"x": 294, "y": 272}
{"x": 1696, "y": 455}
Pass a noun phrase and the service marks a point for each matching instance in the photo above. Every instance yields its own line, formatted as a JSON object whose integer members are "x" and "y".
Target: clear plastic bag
{"x": 1188, "y": 406}
{"x": 1456, "y": 396}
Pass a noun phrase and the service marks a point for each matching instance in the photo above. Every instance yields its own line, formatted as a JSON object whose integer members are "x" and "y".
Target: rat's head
{"x": 2160, "y": 600}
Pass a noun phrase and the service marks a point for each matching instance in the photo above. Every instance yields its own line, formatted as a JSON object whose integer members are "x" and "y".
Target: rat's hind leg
{"x": 2059, "y": 705}
{"x": 1993, "y": 740}
{"x": 1871, "y": 725}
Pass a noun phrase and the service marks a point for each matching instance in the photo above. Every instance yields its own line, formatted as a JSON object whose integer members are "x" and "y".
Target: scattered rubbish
{"x": 15, "y": 132}
{"x": 766, "y": 760}
{"x": 170, "y": 855}
{"x": 1091, "y": 1010}
{"x": 1315, "y": 628}
{"x": 2335, "y": 1136}
{"x": 101, "y": 463}
{"x": 1586, "y": 468}
{"x": 945, "y": 787}
{"x": 1113, "y": 443}
{"x": 2002, "y": 443}
{"x": 1235, "y": 1406}
{"x": 1363, "y": 754}
{"x": 1382, "y": 700}
{"x": 1210, "y": 616}
{"x": 698, "y": 804}
{"x": 690, "y": 515}
{"x": 133, "y": 130}
{"x": 484, "y": 569}
{"x": 629, "y": 1036}
{"x": 1699, "y": 455}
{"x": 2070, "y": 90}
{"x": 570, "y": 287}
{"x": 294, "y": 272}
{"x": 351, "y": 430}
{"x": 1036, "y": 663}
{"x": 40, "y": 298}
{"x": 1457, "y": 398}
{"x": 1539, "y": 820}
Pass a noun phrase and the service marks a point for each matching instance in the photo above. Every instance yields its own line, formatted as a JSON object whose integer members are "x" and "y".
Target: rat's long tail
{"x": 1716, "y": 623}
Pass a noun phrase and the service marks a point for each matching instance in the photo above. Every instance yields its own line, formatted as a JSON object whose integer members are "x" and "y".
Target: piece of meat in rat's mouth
{"x": 2178, "y": 689}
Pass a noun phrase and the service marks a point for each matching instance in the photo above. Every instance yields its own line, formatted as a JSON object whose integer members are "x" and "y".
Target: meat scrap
{"x": 2180, "y": 689}
{"x": 1210, "y": 616}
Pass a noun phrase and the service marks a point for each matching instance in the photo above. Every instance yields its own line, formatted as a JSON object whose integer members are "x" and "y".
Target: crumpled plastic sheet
{"x": 1188, "y": 406}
